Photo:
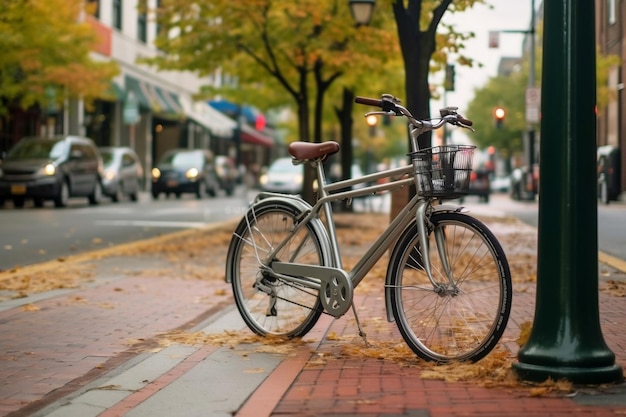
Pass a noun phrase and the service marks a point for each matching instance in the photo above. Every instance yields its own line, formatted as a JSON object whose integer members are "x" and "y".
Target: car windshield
{"x": 37, "y": 149}
{"x": 284, "y": 166}
{"x": 184, "y": 159}
{"x": 107, "y": 157}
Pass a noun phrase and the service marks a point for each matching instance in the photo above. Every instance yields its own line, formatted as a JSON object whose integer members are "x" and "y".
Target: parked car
{"x": 609, "y": 185}
{"x": 480, "y": 184}
{"x": 227, "y": 173}
{"x": 123, "y": 173}
{"x": 51, "y": 169}
{"x": 181, "y": 171}
{"x": 283, "y": 176}
{"x": 501, "y": 184}
{"x": 524, "y": 183}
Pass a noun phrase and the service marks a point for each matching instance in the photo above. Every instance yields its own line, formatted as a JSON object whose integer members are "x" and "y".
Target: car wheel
{"x": 18, "y": 202}
{"x": 63, "y": 196}
{"x": 96, "y": 197}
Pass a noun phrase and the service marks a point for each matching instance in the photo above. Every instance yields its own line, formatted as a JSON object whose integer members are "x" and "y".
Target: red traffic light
{"x": 499, "y": 113}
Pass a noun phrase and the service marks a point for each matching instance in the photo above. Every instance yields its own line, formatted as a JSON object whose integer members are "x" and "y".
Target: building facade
{"x": 150, "y": 110}
{"x": 611, "y": 40}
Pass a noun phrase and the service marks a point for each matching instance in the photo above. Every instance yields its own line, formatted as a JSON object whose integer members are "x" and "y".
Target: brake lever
{"x": 465, "y": 126}
{"x": 381, "y": 113}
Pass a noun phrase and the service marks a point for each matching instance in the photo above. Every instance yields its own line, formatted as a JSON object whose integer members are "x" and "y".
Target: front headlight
{"x": 49, "y": 169}
{"x": 109, "y": 175}
{"x": 263, "y": 179}
{"x": 156, "y": 173}
{"x": 192, "y": 173}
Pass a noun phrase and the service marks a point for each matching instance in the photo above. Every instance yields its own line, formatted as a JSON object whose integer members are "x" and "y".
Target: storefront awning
{"x": 232, "y": 110}
{"x": 153, "y": 98}
{"x": 203, "y": 114}
{"x": 254, "y": 137}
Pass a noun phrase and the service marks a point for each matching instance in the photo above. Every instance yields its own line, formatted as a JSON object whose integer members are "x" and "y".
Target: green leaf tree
{"x": 45, "y": 47}
{"x": 506, "y": 92}
{"x": 304, "y": 47}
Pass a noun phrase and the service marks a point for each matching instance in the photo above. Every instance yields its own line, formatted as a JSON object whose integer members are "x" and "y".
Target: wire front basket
{"x": 443, "y": 171}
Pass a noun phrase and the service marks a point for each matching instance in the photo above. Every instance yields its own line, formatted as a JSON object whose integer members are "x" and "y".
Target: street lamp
{"x": 362, "y": 11}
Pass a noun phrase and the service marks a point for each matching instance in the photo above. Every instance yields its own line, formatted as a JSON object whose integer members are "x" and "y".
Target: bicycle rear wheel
{"x": 460, "y": 319}
{"x": 291, "y": 310}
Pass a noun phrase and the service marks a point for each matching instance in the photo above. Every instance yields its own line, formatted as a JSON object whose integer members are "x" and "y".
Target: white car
{"x": 283, "y": 177}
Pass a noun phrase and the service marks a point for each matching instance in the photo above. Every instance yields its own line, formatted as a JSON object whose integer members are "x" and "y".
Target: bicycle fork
{"x": 423, "y": 221}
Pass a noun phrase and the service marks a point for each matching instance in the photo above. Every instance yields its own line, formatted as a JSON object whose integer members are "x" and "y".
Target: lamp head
{"x": 362, "y": 11}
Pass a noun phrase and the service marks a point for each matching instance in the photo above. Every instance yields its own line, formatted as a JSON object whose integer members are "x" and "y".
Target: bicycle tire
{"x": 296, "y": 308}
{"x": 463, "y": 324}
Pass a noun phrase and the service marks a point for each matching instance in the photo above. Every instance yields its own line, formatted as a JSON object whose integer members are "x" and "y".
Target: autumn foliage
{"x": 46, "y": 54}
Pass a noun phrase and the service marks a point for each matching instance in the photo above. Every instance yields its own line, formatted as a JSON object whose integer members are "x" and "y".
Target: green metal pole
{"x": 566, "y": 340}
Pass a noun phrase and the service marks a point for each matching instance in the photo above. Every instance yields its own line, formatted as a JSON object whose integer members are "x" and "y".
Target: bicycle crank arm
{"x": 336, "y": 289}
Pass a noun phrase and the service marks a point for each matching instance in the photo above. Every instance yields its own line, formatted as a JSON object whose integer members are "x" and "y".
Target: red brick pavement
{"x": 376, "y": 387}
{"x": 73, "y": 338}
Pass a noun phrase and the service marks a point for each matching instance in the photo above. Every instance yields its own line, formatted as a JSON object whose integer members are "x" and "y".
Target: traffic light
{"x": 499, "y": 115}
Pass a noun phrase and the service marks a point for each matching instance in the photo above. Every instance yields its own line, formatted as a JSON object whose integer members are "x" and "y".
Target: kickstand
{"x": 358, "y": 325}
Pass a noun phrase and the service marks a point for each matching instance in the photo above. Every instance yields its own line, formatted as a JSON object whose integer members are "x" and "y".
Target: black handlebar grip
{"x": 368, "y": 101}
{"x": 465, "y": 121}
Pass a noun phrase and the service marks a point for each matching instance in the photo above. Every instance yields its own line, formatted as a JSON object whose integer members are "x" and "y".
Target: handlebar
{"x": 390, "y": 106}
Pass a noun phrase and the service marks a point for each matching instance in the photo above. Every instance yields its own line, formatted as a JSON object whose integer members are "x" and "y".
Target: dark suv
{"x": 185, "y": 171}
{"x": 51, "y": 169}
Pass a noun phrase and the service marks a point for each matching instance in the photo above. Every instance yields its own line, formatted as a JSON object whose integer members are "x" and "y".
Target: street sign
{"x": 533, "y": 104}
{"x": 494, "y": 39}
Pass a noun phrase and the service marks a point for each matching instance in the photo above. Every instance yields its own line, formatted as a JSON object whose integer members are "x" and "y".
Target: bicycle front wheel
{"x": 270, "y": 305}
{"x": 462, "y": 316}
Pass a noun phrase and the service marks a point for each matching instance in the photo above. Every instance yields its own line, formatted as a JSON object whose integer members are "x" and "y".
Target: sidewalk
{"x": 151, "y": 330}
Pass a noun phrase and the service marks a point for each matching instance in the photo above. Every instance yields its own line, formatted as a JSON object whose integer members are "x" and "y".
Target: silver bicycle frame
{"x": 330, "y": 193}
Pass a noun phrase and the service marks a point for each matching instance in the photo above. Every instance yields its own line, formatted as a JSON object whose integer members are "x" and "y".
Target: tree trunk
{"x": 344, "y": 114}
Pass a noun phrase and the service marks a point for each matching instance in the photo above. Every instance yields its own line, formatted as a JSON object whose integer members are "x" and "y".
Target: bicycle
{"x": 450, "y": 304}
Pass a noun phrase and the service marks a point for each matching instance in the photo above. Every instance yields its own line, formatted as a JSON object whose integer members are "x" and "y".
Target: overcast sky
{"x": 505, "y": 15}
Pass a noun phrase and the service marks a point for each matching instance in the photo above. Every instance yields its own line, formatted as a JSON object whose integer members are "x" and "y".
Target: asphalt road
{"x": 611, "y": 221}
{"x": 32, "y": 235}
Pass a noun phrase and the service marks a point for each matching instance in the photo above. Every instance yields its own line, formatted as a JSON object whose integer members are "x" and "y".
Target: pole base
{"x": 592, "y": 376}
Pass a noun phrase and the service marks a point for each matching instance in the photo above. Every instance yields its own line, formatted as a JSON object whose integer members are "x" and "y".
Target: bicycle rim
{"x": 465, "y": 319}
{"x": 295, "y": 309}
